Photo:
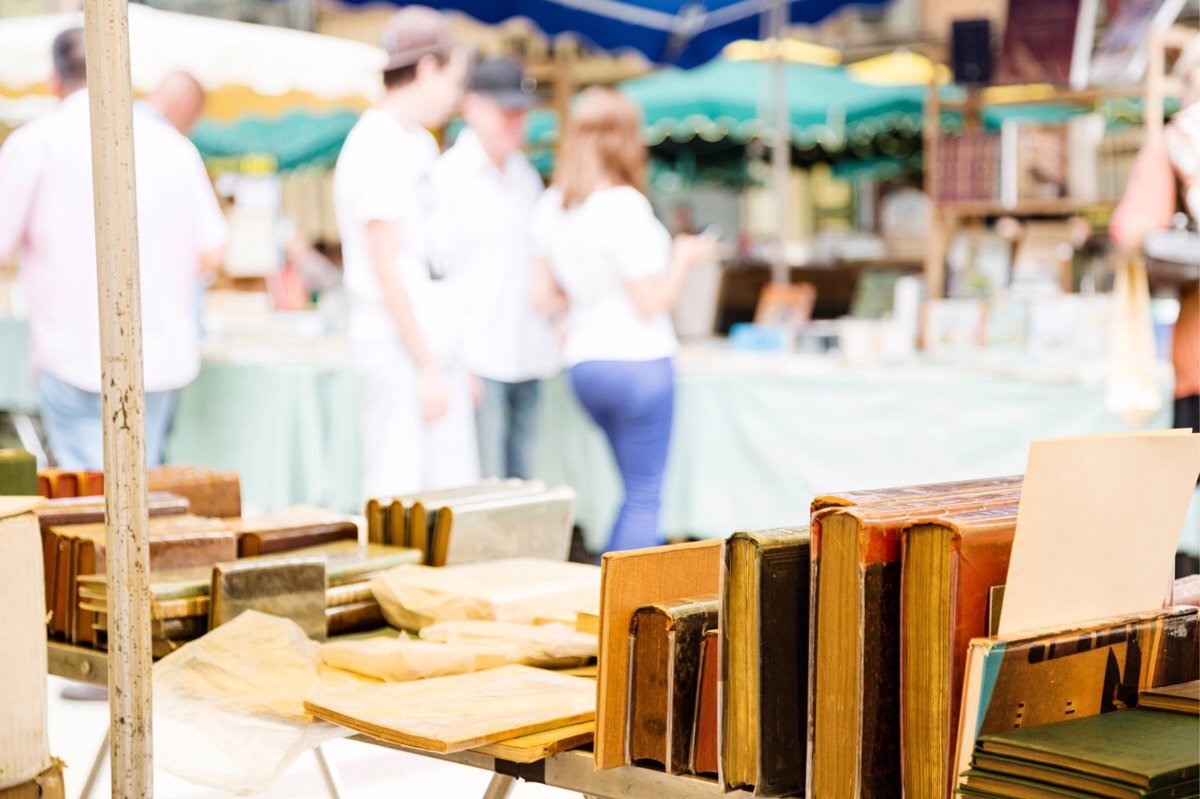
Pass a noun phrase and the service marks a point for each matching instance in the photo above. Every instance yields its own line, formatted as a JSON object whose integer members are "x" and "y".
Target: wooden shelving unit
{"x": 948, "y": 217}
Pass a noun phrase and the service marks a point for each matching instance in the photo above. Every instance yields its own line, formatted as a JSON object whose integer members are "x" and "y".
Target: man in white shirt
{"x": 418, "y": 426}
{"x": 48, "y": 219}
{"x": 484, "y": 191}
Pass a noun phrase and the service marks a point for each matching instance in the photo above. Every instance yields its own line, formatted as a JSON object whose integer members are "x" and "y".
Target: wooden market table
{"x": 571, "y": 771}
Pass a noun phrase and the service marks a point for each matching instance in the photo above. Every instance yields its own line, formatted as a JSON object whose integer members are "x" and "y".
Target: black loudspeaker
{"x": 971, "y": 51}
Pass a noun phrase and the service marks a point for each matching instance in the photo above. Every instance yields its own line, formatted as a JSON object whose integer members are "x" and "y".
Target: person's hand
{"x": 695, "y": 250}
{"x": 434, "y": 391}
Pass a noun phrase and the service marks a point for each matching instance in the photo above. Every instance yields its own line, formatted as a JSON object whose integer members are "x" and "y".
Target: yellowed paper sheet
{"x": 1099, "y": 520}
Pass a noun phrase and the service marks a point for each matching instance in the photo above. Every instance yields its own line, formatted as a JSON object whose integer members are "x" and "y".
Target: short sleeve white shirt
{"x": 482, "y": 233}
{"x": 47, "y": 218}
{"x": 595, "y": 250}
{"x": 383, "y": 174}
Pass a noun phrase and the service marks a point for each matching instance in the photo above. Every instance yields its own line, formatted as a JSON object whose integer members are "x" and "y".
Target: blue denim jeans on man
{"x": 73, "y": 423}
{"x": 506, "y": 423}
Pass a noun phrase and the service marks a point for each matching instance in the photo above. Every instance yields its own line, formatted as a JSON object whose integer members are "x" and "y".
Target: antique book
{"x": 949, "y": 566}
{"x": 855, "y": 683}
{"x": 992, "y": 773}
{"x": 705, "y": 754}
{"x": 348, "y": 594}
{"x": 399, "y": 518}
{"x": 1142, "y": 748}
{"x": 878, "y": 496}
{"x": 293, "y": 529}
{"x": 87, "y": 510}
{"x": 209, "y": 493}
{"x": 1182, "y": 698}
{"x": 630, "y": 580}
{"x": 426, "y": 533}
{"x": 534, "y": 525}
{"x": 764, "y": 661}
{"x": 355, "y": 617}
{"x": 1039, "y": 44}
{"x": 18, "y": 473}
{"x": 465, "y": 711}
{"x": 294, "y": 590}
{"x": 377, "y": 522}
{"x": 175, "y": 542}
{"x": 664, "y": 663}
{"x": 1036, "y": 678}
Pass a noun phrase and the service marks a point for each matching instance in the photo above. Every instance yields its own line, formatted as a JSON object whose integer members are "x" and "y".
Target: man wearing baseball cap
{"x": 484, "y": 190}
{"x": 418, "y": 426}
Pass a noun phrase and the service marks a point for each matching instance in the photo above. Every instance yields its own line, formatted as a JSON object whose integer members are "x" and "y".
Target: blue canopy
{"x": 685, "y": 33}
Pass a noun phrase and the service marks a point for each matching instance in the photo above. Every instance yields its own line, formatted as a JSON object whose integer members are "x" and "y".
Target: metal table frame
{"x": 571, "y": 771}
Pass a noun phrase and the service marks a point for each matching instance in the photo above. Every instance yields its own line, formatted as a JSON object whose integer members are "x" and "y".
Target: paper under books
{"x": 451, "y": 714}
{"x": 520, "y": 590}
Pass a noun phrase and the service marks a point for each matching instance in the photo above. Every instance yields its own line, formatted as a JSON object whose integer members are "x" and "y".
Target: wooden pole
{"x": 106, "y": 25}
{"x": 781, "y": 149}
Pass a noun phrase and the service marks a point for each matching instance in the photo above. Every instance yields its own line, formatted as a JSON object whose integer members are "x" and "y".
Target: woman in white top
{"x": 605, "y": 261}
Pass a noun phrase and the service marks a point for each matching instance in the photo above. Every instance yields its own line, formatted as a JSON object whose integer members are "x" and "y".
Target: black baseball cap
{"x": 503, "y": 80}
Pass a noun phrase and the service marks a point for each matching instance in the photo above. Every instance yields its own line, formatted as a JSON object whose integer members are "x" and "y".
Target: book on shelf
{"x": 950, "y": 565}
{"x": 855, "y": 684}
{"x": 705, "y": 750}
{"x": 1181, "y": 698}
{"x": 1029, "y": 679}
{"x": 664, "y": 672}
{"x": 968, "y": 168}
{"x": 1033, "y": 162}
{"x": 1143, "y": 749}
{"x": 630, "y": 580}
{"x": 1046, "y": 41}
{"x": 764, "y": 660}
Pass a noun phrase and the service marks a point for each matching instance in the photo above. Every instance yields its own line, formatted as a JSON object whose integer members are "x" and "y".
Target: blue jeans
{"x": 633, "y": 403}
{"x": 73, "y": 423}
{"x": 506, "y": 424}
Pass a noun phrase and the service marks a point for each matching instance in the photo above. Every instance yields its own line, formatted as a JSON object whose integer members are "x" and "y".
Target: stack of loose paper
{"x": 451, "y": 714}
{"x": 518, "y": 590}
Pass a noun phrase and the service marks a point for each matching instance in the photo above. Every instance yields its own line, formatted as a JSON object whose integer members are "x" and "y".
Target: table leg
{"x": 501, "y": 787}
{"x": 97, "y": 764}
{"x": 329, "y": 773}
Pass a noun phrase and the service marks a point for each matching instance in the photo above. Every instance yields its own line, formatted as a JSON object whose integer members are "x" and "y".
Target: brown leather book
{"x": 376, "y": 515}
{"x": 855, "y": 706}
{"x": 85, "y": 510}
{"x": 705, "y": 758}
{"x": 211, "y": 494}
{"x": 950, "y": 564}
{"x": 664, "y": 661}
{"x": 292, "y": 529}
{"x": 356, "y": 617}
{"x": 764, "y": 661}
{"x": 175, "y": 542}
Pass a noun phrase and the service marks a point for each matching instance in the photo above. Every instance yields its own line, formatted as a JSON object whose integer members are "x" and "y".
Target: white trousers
{"x": 402, "y": 452}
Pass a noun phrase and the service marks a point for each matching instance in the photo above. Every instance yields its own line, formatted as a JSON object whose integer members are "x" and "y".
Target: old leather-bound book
{"x": 293, "y": 529}
{"x": 664, "y": 661}
{"x": 534, "y": 524}
{"x": 86, "y": 510}
{"x": 950, "y": 565}
{"x": 209, "y": 493}
{"x": 855, "y": 705}
{"x": 764, "y": 661}
{"x": 293, "y": 589}
{"x": 705, "y": 754}
{"x": 354, "y": 618}
{"x": 175, "y": 542}
{"x": 18, "y": 473}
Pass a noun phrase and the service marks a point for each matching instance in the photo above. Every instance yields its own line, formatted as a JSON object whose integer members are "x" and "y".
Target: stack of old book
{"x": 183, "y": 607}
{"x": 487, "y": 521}
{"x": 1127, "y": 754}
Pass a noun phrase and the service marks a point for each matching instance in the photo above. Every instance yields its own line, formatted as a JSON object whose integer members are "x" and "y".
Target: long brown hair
{"x": 602, "y": 142}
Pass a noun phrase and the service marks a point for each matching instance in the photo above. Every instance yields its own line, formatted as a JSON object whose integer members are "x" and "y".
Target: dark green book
{"x": 1088, "y": 783}
{"x": 18, "y": 473}
{"x": 1019, "y": 788}
{"x": 1143, "y": 748}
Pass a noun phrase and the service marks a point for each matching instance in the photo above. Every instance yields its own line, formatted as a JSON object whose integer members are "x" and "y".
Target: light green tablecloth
{"x": 751, "y": 447}
{"x": 17, "y": 391}
{"x": 290, "y": 430}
